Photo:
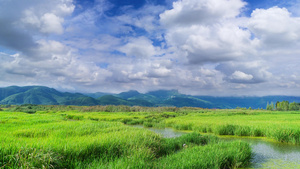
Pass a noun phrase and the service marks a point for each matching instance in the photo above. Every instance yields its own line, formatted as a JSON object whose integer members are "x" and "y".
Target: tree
{"x": 282, "y": 106}
{"x": 270, "y": 106}
{"x": 277, "y": 104}
{"x": 293, "y": 106}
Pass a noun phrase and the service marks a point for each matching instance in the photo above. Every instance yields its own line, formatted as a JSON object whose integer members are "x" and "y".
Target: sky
{"x": 198, "y": 47}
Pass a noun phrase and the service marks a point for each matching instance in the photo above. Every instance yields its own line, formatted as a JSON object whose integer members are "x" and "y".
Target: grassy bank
{"x": 283, "y": 126}
{"x": 68, "y": 138}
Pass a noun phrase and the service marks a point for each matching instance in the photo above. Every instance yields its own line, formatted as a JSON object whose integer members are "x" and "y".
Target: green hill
{"x": 129, "y": 94}
{"x": 37, "y": 95}
{"x": 15, "y": 95}
{"x": 180, "y": 101}
{"x": 97, "y": 94}
{"x": 164, "y": 94}
{"x": 8, "y": 91}
{"x": 82, "y": 101}
{"x": 113, "y": 100}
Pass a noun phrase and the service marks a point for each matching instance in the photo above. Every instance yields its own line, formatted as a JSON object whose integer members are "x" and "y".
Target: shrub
{"x": 74, "y": 117}
{"x": 148, "y": 124}
{"x": 29, "y": 111}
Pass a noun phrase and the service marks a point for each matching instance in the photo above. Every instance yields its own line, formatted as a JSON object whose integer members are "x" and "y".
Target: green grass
{"x": 283, "y": 126}
{"x": 74, "y": 139}
{"x": 222, "y": 155}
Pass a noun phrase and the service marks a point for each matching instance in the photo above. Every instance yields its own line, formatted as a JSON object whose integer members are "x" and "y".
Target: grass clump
{"x": 74, "y": 117}
{"x": 172, "y": 145}
{"x": 286, "y": 135}
{"x": 220, "y": 155}
{"x": 28, "y": 157}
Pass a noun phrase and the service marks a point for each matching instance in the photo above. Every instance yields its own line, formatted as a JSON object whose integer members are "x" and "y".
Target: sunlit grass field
{"x": 72, "y": 139}
{"x": 282, "y": 126}
{"x": 85, "y": 137}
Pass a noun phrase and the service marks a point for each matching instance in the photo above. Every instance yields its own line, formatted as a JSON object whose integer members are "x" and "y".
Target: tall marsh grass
{"x": 72, "y": 139}
{"x": 283, "y": 126}
{"x": 215, "y": 156}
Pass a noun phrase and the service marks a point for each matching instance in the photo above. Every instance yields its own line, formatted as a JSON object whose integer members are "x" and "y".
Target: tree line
{"x": 283, "y": 106}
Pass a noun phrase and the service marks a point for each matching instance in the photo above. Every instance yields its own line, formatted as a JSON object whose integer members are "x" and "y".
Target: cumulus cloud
{"x": 38, "y": 59}
{"x": 189, "y": 12}
{"x": 62, "y": 66}
{"x": 196, "y": 46}
{"x": 245, "y": 72}
{"x": 140, "y": 47}
{"x": 275, "y": 27}
{"x": 51, "y": 24}
{"x": 46, "y": 17}
{"x": 29, "y": 21}
{"x": 240, "y": 76}
{"x": 208, "y": 31}
{"x": 160, "y": 69}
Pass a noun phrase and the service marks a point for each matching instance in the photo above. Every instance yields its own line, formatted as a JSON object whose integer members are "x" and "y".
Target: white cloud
{"x": 145, "y": 18}
{"x": 198, "y": 46}
{"x": 159, "y": 72}
{"x": 65, "y": 8}
{"x": 241, "y": 76}
{"x": 22, "y": 24}
{"x": 46, "y": 17}
{"x": 51, "y": 24}
{"x": 252, "y": 72}
{"x": 47, "y": 50}
{"x": 189, "y": 12}
{"x": 213, "y": 34}
{"x": 140, "y": 47}
{"x": 275, "y": 27}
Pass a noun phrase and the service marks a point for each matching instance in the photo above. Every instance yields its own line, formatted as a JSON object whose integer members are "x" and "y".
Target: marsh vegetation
{"x": 99, "y": 137}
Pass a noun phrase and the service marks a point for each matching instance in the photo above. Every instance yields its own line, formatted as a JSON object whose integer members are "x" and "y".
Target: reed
{"x": 73, "y": 139}
{"x": 283, "y": 126}
{"x": 220, "y": 155}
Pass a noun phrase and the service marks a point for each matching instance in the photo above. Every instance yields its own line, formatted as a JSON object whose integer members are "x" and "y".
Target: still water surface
{"x": 266, "y": 154}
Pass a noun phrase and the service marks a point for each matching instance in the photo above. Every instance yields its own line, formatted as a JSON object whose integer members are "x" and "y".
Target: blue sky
{"x": 199, "y": 47}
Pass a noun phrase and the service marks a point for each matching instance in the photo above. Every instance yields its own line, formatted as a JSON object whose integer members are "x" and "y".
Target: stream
{"x": 266, "y": 154}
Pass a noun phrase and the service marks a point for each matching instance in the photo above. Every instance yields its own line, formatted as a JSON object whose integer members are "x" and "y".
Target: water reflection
{"x": 166, "y": 132}
{"x": 265, "y": 154}
{"x": 271, "y": 154}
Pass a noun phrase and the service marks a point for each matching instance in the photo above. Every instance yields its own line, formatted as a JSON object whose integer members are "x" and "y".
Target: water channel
{"x": 266, "y": 154}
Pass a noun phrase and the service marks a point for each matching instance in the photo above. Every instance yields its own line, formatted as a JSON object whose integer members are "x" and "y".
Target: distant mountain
{"x": 97, "y": 95}
{"x": 15, "y": 95}
{"x": 113, "y": 100}
{"x": 36, "y": 95}
{"x": 188, "y": 101}
{"x": 7, "y": 91}
{"x": 164, "y": 94}
{"x": 149, "y": 98}
{"x": 82, "y": 101}
{"x": 246, "y": 101}
{"x": 129, "y": 94}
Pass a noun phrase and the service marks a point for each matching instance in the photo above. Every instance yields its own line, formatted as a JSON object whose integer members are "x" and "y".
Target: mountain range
{"x": 15, "y": 95}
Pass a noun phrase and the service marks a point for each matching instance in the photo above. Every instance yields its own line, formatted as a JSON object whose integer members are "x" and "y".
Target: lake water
{"x": 266, "y": 154}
